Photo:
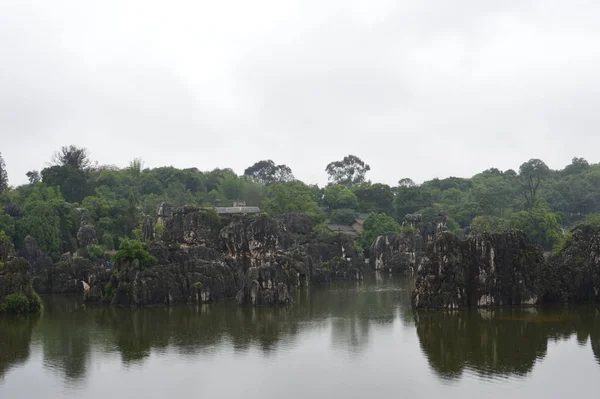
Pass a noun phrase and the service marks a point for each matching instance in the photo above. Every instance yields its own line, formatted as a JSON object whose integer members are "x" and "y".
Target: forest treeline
{"x": 536, "y": 199}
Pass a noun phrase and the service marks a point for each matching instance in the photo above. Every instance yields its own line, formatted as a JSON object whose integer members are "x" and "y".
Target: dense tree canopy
{"x": 3, "y": 175}
{"x": 350, "y": 171}
{"x": 51, "y": 208}
{"x": 266, "y": 172}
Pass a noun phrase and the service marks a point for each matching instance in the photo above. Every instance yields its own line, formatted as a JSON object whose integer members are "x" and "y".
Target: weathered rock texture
{"x": 259, "y": 260}
{"x": 500, "y": 269}
{"x": 16, "y": 293}
{"x": 573, "y": 275}
{"x": 69, "y": 276}
{"x": 402, "y": 252}
{"x": 34, "y": 255}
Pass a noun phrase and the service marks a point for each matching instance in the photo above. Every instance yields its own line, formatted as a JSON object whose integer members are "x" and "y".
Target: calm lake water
{"x": 349, "y": 340}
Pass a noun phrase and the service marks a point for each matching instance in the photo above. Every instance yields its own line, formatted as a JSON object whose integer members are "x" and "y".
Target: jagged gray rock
{"x": 500, "y": 269}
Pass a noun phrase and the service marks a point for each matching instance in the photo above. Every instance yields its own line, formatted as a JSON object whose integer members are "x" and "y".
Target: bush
{"x": 130, "y": 250}
{"x": 344, "y": 216}
{"x": 94, "y": 251}
{"x": 16, "y": 304}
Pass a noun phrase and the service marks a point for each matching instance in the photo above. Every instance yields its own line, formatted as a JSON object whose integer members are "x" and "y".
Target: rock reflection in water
{"x": 70, "y": 330}
{"x": 15, "y": 339}
{"x": 501, "y": 341}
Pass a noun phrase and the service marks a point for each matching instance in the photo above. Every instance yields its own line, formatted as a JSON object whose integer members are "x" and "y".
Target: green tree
{"x": 33, "y": 176}
{"x": 267, "y": 172}
{"x": 76, "y": 157}
{"x": 376, "y": 197}
{"x": 350, "y": 171}
{"x": 43, "y": 224}
{"x": 377, "y": 224}
{"x": 531, "y": 175}
{"x": 343, "y": 216}
{"x": 3, "y": 175}
{"x": 130, "y": 250}
{"x": 542, "y": 226}
{"x": 487, "y": 224}
{"x": 292, "y": 197}
{"x": 338, "y": 197}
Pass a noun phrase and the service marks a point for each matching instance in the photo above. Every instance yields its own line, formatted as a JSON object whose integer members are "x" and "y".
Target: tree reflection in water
{"x": 500, "y": 342}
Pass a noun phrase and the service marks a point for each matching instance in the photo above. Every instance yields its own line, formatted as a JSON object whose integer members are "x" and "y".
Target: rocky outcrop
{"x": 16, "y": 292}
{"x": 403, "y": 252}
{"x": 7, "y": 249}
{"x": 192, "y": 226}
{"x": 70, "y": 275}
{"x": 147, "y": 228}
{"x": 500, "y": 269}
{"x": 33, "y": 254}
{"x": 86, "y": 235}
{"x": 259, "y": 260}
{"x": 573, "y": 274}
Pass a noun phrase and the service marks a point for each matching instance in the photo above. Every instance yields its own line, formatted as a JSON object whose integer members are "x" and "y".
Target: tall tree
{"x": 33, "y": 176}
{"x": 267, "y": 172}
{"x": 531, "y": 174}
{"x": 71, "y": 155}
{"x": 3, "y": 175}
{"x": 350, "y": 171}
{"x": 136, "y": 166}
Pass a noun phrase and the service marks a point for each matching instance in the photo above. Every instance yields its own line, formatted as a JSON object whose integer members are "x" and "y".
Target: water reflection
{"x": 501, "y": 342}
{"x": 15, "y": 339}
{"x": 355, "y": 320}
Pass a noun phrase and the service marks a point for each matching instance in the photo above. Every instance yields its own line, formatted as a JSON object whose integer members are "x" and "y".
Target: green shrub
{"x": 130, "y": 250}
{"x": 95, "y": 251}
{"x": 16, "y": 304}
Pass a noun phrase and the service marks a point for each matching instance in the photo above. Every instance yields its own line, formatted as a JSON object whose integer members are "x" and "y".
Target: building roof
{"x": 341, "y": 227}
{"x": 237, "y": 210}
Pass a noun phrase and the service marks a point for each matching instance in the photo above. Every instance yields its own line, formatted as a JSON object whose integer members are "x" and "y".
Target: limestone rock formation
{"x": 147, "y": 228}
{"x": 70, "y": 275}
{"x": 403, "y": 252}
{"x": 257, "y": 259}
{"x": 33, "y": 254}
{"x": 573, "y": 275}
{"x": 16, "y": 293}
{"x": 7, "y": 249}
{"x": 192, "y": 226}
{"x": 500, "y": 269}
{"x": 86, "y": 234}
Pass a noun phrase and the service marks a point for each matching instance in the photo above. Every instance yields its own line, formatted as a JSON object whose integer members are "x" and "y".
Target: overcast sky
{"x": 417, "y": 89}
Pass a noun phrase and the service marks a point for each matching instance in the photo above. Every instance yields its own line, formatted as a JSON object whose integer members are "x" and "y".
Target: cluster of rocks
{"x": 16, "y": 291}
{"x": 486, "y": 270}
{"x": 203, "y": 257}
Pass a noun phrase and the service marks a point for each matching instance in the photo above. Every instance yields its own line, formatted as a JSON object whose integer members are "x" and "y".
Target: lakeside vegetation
{"x": 540, "y": 201}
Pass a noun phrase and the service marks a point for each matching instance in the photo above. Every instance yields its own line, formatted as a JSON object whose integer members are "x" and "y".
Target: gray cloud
{"x": 418, "y": 89}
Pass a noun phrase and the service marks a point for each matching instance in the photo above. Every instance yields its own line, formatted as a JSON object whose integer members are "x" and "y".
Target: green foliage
{"x": 48, "y": 208}
{"x": 374, "y": 197}
{"x": 20, "y": 303}
{"x": 377, "y": 224}
{"x": 339, "y": 197}
{"x": 344, "y": 216}
{"x": 322, "y": 229}
{"x": 266, "y": 172}
{"x": 542, "y": 226}
{"x": 95, "y": 251}
{"x": 350, "y": 171}
{"x": 3, "y": 175}
{"x": 131, "y": 250}
{"x": 43, "y": 224}
{"x": 487, "y": 224}
{"x": 292, "y": 197}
